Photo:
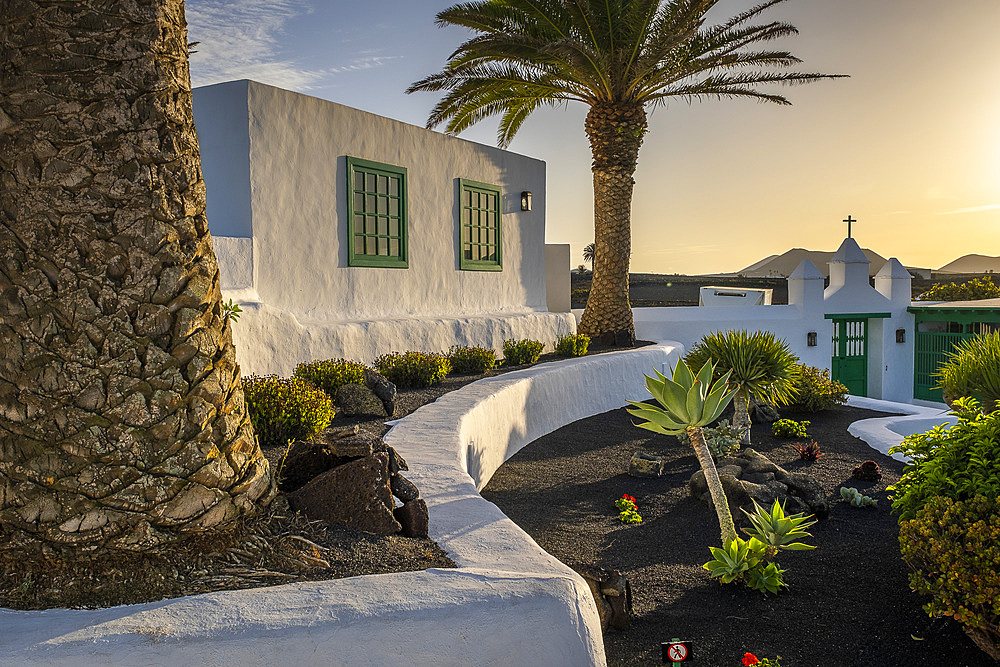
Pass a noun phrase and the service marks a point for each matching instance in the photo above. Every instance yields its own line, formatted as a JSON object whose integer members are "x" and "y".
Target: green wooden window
{"x": 376, "y": 214}
{"x": 480, "y": 247}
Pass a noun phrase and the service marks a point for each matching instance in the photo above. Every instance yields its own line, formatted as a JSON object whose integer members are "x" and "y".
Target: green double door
{"x": 849, "y": 364}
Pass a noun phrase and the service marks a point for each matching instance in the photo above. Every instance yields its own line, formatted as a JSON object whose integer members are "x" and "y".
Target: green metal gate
{"x": 938, "y": 329}
{"x": 849, "y": 363}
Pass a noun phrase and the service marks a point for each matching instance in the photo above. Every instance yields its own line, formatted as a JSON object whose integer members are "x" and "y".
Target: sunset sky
{"x": 909, "y": 145}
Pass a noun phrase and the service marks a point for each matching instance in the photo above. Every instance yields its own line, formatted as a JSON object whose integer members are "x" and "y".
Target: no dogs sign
{"x": 676, "y": 651}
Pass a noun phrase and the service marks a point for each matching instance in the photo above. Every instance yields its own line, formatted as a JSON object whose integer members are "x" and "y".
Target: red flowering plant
{"x": 628, "y": 509}
{"x": 750, "y": 659}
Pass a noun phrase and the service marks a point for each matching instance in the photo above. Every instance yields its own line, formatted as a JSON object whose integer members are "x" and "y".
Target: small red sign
{"x": 676, "y": 651}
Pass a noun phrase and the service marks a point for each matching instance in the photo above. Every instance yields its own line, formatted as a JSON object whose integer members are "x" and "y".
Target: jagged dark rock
{"x": 384, "y": 390}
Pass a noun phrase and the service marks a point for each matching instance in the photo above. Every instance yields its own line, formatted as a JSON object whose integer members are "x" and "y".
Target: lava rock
{"x": 645, "y": 465}
{"x": 413, "y": 518}
{"x": 357, "y": 399}
{"x": 384, "y": 390}
{"x": 355, "y": 494}
{"x": 403, "y": 488}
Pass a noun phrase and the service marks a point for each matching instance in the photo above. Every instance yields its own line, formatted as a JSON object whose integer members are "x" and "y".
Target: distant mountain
{"x": 783, "y": 264}
{"x": 972, "y": 264}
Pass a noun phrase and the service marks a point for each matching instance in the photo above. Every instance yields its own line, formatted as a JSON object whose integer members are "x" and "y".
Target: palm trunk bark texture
{"x": 615, "y": 131}
{"x": 726, "y": 525}
{"x": 122, "y": 419}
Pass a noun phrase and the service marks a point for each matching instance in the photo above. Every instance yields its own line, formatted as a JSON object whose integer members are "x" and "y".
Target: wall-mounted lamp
{"x": 525, "y": 201}
{"x": 811, "y": 339}
{"x": 900, "y": 335}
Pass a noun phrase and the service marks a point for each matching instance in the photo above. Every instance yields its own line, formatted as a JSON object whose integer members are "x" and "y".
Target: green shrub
{"x": 471, "y": 360}
{"x": 815, "y": 391}
{"x": 722, "y": 439}
{"x": 332, "y": 374}
{"x": 856, "y": 498}
{"x": 973, "y": 369}
{"x": 573, "y": 345}
{"x": 953, "y": 550}
{"x": 970, "y": 290}
{"x": 283, "y": 409}
{"x": 413, "y": 369}
{"x": 789, "y": 428}
{"x": 959, "y": 462}
{"x": 517, "y": 352}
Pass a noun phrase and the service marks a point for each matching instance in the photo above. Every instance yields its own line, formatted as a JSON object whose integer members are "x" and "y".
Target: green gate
{"x": 938, "y": 329}
{"x": 849, "y": 363}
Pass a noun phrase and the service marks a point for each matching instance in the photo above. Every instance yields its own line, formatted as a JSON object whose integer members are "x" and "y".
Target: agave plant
{"x": 973, "y": 369}
{"x": 758, "y": 364}
{"x": 777, "y": 531}
{"x": 690, "y": 402}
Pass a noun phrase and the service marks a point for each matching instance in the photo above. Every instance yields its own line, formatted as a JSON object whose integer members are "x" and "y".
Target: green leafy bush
{"x": 789, "y": 428}
{"x": 722, "y": 439}
{"x": 815, "y": 391}
{"x": 573, "y": 345}
{"x": 413, "y": 369}
{"x": 331, "y": 374}
{"x": 283, "y": 409}
{"x": 517, "y": 352}
{"x": 953, "y": 550}
{"x": 970, "y": 290}
{"x": 973, "y": 369}
{"x": 471, "y": 360}
{"x": 957, "y": 462}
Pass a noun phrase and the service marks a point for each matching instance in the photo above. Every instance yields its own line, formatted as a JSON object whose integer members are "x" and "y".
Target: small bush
{"x": 815, "y": 391}
{"x": 856, "y": 498}
{"x": 971, "y": 290}
{"x": 973, "y": 369}
{"x": 789, "y": 428}
{"x": 283, "y": 409}
{"x": 332, "y": 374}
{"x": 517, "y": 352}
{"x": 868, "y": 471}
{"x": 471, "y": 360}
{"x": 957, "y": 462}
{"x": 722, "y": 439}
{"x": 953, "y": 549}
{"x": 573, "y": 345}
{"x": 413, "y": 369}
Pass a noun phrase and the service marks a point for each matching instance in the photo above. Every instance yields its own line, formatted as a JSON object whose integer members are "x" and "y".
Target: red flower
{"x": 750, "y": 659}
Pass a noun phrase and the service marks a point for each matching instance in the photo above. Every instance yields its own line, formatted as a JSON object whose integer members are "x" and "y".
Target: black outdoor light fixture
{"x": 525, "y": 201}
{"x": 811, "y": 339}
{"x": 900, "y": 335}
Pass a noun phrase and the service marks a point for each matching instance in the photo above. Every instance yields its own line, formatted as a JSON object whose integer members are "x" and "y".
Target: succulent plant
{"x": 856, "y": 498}
{"x": 868, "y": 472}
{"x": 809, "y": 451}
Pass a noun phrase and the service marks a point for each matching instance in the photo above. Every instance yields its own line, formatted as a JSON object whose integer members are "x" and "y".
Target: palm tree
{"x": 588, "y": 255}
{"x": 688, "y": 403}
{"x": 617, "y": 57}
{"x": 759, "y": 366}
{"x": 122, "y": 420}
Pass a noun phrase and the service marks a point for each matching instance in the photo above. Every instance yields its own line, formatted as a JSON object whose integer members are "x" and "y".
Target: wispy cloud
{"x": 243, "y": 39}
{"x": 361, "y": 63}
{"x": 972, "y": 209}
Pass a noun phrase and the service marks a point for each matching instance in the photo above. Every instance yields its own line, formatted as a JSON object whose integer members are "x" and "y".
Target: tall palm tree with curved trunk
{"x": 618, "y": 57}
{"x": 122, "y": 420}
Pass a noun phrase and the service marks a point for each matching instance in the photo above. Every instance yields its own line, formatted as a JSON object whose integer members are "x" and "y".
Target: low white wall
{"x": 883, "y": 433}
{"x": 269, "y": 340}
{"x": 508, "y": 602}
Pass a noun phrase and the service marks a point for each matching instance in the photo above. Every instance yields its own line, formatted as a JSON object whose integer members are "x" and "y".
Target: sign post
{"x": 676, "y": 651}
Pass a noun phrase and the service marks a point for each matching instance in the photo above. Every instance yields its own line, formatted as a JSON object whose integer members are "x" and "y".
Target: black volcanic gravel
{"x": 847, "y": 603}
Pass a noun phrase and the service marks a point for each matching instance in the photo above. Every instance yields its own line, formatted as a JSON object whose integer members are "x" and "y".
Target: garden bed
{"x": 848, "y": 602}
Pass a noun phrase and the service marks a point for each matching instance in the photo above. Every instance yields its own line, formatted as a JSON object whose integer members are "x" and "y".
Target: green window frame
{"x": 376, "y": 214}
{"x": 480, "y": 226}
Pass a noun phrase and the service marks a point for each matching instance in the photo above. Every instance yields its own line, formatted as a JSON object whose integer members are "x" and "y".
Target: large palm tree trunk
{"x": 122, "y": 421}
{"x": 615, "y": 131}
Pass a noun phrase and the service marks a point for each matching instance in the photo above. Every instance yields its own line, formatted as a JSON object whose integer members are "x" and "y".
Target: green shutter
{"x": 480, "y": 230}
{"x": 376, "y": 214}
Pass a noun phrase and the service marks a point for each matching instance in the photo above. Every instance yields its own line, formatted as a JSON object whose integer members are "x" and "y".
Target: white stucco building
{"x": 346, "y": 234}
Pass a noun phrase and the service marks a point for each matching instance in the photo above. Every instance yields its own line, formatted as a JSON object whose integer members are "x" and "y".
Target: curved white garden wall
{"x": 508, "y": 602}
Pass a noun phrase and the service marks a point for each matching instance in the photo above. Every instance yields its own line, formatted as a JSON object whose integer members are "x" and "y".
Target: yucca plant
{"x": 758, "y": 364}
{"x": 690, "y": 402}
{"x": 973, "y": 369}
